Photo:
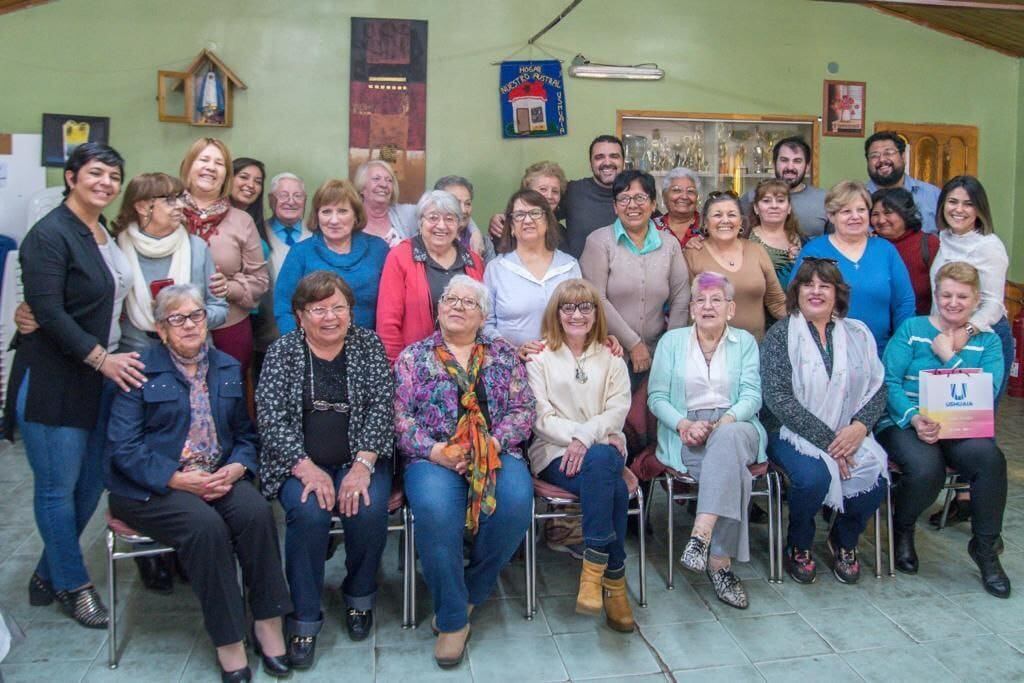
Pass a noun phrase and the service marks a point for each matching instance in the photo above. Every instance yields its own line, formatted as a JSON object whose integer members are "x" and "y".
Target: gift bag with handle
{"x": 960, "y": 401}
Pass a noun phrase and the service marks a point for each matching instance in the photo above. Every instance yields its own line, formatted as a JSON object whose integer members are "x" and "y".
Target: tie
{"x": 289, "y": 236}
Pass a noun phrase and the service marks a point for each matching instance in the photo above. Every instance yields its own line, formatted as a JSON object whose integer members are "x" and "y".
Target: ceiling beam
{"x": 941, "y": 29}
{"x": 948, "y": 4}
{"x": 19, "y": 4}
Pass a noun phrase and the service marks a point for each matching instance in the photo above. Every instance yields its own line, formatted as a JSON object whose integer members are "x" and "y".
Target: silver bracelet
{"x": 365, "y": 463}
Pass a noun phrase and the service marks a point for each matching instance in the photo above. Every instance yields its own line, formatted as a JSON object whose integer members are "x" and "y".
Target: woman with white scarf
{"x": 161, "y": 252}
{"x": 824, "y": 391}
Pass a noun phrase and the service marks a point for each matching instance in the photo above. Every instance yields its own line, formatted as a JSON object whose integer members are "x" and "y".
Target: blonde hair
{"x": 336, "y": 191}
{"x": 544, "y": 169}
{"x": 959, "y": 271}
{"x": 576, "y": 290}
{"x": 193, "y": 153}
{"x": 844, "y": 192}
{"x": 363, "y": 172}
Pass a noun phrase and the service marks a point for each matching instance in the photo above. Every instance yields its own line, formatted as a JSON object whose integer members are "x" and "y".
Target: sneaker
{"x": 728, "y": 587}
{"x": 695, "y": 554}
{"x": 845, "y": 566}
{"x": 800, "y": 566}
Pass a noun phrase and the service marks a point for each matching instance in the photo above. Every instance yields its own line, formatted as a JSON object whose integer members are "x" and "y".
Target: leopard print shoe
{"x": 695, "y": 554}
{"x": 728, "y": 588}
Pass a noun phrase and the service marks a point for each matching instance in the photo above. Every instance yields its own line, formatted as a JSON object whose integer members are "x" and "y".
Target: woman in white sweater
{"x": 582, "y": 393}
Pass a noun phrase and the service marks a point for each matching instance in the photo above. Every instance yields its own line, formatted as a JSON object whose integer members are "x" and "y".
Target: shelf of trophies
{"x": 725, "y": 151}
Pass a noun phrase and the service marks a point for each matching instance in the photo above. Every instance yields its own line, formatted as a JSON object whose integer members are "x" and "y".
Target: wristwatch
{"x": 365, "y": 463}
{"x": 971, "y": 329}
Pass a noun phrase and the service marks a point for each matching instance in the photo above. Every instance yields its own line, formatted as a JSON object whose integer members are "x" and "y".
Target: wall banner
{"x": 532, "y": 97}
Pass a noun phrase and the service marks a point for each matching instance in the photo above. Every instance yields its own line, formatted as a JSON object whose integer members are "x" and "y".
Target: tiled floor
{"x": 936, "y": 626}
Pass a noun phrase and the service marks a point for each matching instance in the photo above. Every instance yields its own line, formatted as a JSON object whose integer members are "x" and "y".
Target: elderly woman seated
{"x": 325, "y": 410}
{"x": 583, "y": 396}
{"x": 824, "y": 393}
{"x": 463, "y": 411}
{"x": 182, "y": 452}
{"x": 705, "y": 390}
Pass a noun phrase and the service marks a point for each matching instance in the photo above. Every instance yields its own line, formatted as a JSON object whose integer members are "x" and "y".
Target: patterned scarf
{"x": 472, "y": 437}
{"x": 201, "y": 450}
{"x": 203, "y": 223}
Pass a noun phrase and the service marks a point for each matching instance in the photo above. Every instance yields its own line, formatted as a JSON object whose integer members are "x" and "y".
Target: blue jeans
{"x": 305, "y": 547}
{"x": 603, "y": 496}
{"x": 1002, "y": 330}
{"x": 809, "y": 480}
{"x": 438, "y": 498}
{"x": 67, "y": 464}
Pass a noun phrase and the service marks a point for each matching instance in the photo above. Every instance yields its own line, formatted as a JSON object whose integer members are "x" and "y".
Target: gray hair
{"x": 454, "y": 181}
{"x": 173, "y": 296}
{"x": 276, "y": 180}
{"x": 445, "y": 202}
{"x": 362, "y": 173}
{"x": 709, "y": 279}
{"x": 483, "y": 295}
{"x": 679, "y": 172}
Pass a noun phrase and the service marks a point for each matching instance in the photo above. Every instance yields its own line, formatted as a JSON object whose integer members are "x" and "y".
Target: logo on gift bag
{"x": 958, "y": 395}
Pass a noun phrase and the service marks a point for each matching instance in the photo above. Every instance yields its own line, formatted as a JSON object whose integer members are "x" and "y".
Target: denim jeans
{"x": 438, "y": 498}
{"x": 67, "y": 464}
{"x": 603, "y": 496}
{"x": 306, "y": 540}
{"x": 809, "y": 480}
{"x": 1002, "y": 330}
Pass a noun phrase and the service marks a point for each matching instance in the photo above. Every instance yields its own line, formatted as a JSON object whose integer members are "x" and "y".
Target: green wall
{"x": 100, "y": 57}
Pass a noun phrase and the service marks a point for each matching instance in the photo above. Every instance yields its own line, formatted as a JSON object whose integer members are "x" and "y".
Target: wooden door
{"x": 936, "y": 152}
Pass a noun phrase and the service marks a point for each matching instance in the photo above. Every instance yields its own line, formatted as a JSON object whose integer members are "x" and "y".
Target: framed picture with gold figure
{"x": 63, "y": 132}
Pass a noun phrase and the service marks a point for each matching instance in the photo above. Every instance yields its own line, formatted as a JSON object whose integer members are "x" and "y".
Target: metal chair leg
{"x": 408, "y": 571}
{"x": 769, "y": 487}
{"x": 888, "y": 528}
{"x": 878, "y": 543}
{"x": 112, "y": 593}
{"x": 531, "y": 561}
{"x": 669, "y": 480}
{"x": 778, "y": 525}
{"x": 950, "y": 495}
{"x": 641, "y": 503}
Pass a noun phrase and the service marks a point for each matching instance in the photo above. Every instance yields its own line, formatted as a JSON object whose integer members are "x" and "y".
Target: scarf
{"x": 134, "y": 242}
{"x": 857, "y": 374}
{"x": 204, "y": 222}
{"x": 201, "y": 450}
{"x": 472, "y": 437}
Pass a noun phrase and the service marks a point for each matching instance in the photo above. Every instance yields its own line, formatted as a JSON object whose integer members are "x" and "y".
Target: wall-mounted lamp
{"x": 582, "y": 67}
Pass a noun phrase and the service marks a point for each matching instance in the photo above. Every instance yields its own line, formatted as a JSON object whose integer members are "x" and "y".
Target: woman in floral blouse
{"x": 463, "y": 412}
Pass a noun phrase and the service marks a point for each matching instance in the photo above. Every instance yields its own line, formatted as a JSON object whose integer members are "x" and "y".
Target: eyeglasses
{"x": 323, "y": 406}
{"x": 534, "y": 214}
{"x": 178, "y": 319}
{"x": 714, "y": 301}
{"x": 885, "y": 153}
{"x": 294, "y": 196}
{"x": 453, "y": 301}
{"x": 570, "y": 307}
{"x": 435, "y": 218}
{"x": 638, "y": 199}
{"x": 322, "y": 311}
{"x": 820, "y": 259}
{"x": 171, "y": 199}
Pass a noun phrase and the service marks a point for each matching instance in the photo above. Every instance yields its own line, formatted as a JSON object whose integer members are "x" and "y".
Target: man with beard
{"x": 791, "y": 158}
{"x": 887, "y": 163}
{"x": 587, "y": 203}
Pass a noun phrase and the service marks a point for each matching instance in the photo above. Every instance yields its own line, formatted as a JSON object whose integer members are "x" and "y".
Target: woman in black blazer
{"x": 75, "y": 279}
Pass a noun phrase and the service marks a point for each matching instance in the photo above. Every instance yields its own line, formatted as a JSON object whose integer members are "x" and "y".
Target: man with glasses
{"x": 287, "y": 206}
{"x": 791, "y": 158}
{"x": 887, "y": 163}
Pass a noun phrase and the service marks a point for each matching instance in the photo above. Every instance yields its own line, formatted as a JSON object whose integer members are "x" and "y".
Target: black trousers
{"x": 978, "y": 461}
{"x": 207, "y": 537}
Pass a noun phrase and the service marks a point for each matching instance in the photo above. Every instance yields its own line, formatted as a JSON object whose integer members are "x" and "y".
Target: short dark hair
{"x": 976, "y": 193}
{"x": 317, "y": 286}
{"x": 625, "y": 178}
{"x": 605, "y": 138}
{"x": 791, "y": 141}
{"x": 882, "y": 135}
{"x": 91, "y": 151}
{"x": 255, "y": 210}
{"x": 552, "y": 236}
{"x": 447, "y": 181}
{"x": 900, "y": 201}
{"x": 827, "y": 271}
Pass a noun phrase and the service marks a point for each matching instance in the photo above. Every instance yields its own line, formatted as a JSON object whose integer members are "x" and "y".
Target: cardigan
{"x": 988, "y": 255}
{"x": 914, "y": 246}
{"x": 279, "y": 403}
{"x": 148, "y": 426}
{"x": 910, "y": 351}
{"x": 71, "y": 293}
{"x": 518, "y": 299}
{"x": 427, "y": 398}
{"x": 636, "y": 289}
{"x": 360, "y": 268}
{"x": 567, "y": 410}
{"x": 666, "y": 389}
{"x": 405, "y": 313}
{"x": 238, "y": 254}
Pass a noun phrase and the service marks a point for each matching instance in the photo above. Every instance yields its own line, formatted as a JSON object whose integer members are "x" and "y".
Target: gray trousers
{"x": 720, "y": 466}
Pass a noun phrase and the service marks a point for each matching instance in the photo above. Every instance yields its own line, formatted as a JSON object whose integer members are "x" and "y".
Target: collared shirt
{"x": 518, "y": 299}
{"x": 707, "y": 383}
{"x": 283, "y": 232}
{"x": 926, "y": 197}
{"x": 652, "y": 242}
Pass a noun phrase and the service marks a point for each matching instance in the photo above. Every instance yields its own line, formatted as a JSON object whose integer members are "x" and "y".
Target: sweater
{"x": 757, "y": 287}
{"x": 988, "y": 255}
{"x": 808, "y": 206}
{"x": 912, "y": 251}
{"x": 518, "y": 299}
{"x": 587, "y": 206}
{"x": 237, "y": 253}
{"x": 360, "y": 268}
{"x": 637, "y": 289}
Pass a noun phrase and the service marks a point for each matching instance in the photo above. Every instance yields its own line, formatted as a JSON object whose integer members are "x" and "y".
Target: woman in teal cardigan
{"x": 705, "y": 390}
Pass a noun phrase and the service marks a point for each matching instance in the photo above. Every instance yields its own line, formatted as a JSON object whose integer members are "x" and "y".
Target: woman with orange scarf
{"x": 463, "y": 412}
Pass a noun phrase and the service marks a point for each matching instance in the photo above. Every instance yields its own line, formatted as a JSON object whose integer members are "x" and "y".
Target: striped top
{"x": 910, "y": 351}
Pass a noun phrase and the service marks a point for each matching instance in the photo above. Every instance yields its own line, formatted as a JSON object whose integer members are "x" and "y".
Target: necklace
{"x": 720, "y": 253}
{"x": 319, "y": 404}
{"x": 581, "y": 374}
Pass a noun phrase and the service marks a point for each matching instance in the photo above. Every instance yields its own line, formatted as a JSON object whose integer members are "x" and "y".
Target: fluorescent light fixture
{"x": 582, "y": 67}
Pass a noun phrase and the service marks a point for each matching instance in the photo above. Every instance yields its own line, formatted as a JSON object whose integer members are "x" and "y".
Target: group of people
{"x": 400, "y": 349}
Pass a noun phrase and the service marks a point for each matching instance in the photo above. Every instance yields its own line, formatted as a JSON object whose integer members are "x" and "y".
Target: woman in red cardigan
{"x": 417, "y": 271}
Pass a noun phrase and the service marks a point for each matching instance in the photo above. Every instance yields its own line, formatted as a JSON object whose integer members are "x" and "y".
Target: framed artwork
{"x": 63, "y": 132}
{"x": 844, "y": 108}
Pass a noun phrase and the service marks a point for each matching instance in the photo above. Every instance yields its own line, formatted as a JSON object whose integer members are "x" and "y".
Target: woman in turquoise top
{"x": 705, "y": 390}
{"x": 912, "y": 440}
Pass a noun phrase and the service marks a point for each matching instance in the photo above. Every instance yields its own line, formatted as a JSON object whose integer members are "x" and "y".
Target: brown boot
{"x": 451, "y": 647}
{"x": 616, "y": 605}
{"x": 588, "y": 600}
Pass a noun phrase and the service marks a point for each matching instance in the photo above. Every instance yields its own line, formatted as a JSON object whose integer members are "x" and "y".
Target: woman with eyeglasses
{"x": 640, "y": 275}
{"x": 881, "y": 295}
{"x": 680, "y": 192}
{"x": 325, "y": 412}
{"x": 530, "y": 267}
{"x": 747, "y": 265}
{"x": 418, "y": 269}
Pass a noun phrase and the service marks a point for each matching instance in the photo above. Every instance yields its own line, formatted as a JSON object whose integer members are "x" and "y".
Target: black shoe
{"x": 155, "y": 574}
{"x": 85, "y": 607}
{"x": 40, "y": 592}
{"x": 277, "y": 666}
{"x": 359, "y": 623}
{"x": 905, "y": 553}
{"x": 959, "y": 511}
{"x": 301, "y": 651}
{"x": 992, "y": 575}
{"x": 757, "y": 515}
{"x": 238, "y": 676}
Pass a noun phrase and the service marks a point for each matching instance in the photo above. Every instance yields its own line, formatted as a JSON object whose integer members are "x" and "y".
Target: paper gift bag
{"x": 960, "y": 401}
